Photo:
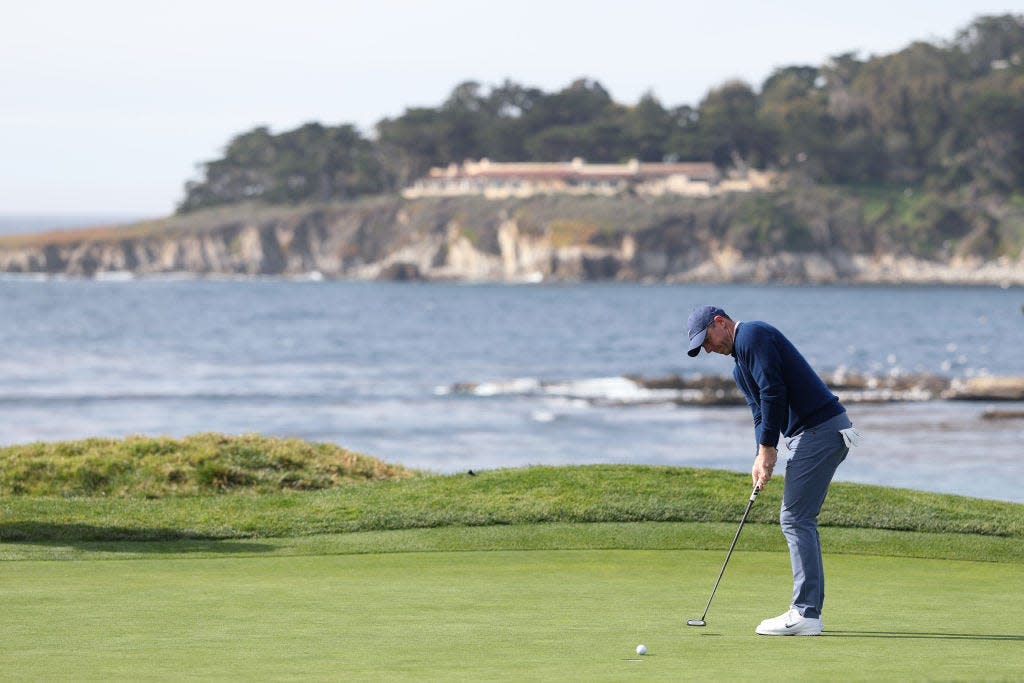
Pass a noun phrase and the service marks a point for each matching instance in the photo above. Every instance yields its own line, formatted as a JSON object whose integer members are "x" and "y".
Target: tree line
{"x": 947, "y": 116}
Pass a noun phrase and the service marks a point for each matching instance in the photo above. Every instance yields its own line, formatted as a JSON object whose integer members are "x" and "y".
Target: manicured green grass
{"x": 551, "y": 536}
{"x": 541, "y": 573}
{"x": 502, "y": 615}
{"x": 547, "y": 495}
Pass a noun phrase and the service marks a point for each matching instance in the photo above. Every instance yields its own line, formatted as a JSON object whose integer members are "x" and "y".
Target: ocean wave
{"x": 620, "y": 390}
{"x": 718, "y": 390}
{"x": 598, "y": 390}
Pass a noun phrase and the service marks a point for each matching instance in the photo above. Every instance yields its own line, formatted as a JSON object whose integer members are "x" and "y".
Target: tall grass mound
{"x": 211, "y": 486}
{"x": 197, "y": 465}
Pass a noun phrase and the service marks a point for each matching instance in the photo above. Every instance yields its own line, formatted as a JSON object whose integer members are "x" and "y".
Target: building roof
{"x": 577, "y": 169}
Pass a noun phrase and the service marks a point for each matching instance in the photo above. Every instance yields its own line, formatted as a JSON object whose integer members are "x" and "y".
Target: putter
{"x": 750, "y": 504}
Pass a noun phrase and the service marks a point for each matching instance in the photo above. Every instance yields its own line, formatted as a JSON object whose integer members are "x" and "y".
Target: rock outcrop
{"x": 721, "y": 390}
{"x": 474, "y": 239}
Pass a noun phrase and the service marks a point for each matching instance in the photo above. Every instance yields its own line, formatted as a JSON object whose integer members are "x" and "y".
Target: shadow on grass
{"x": 927, "y": 636}
{"x": 123, "y": 539}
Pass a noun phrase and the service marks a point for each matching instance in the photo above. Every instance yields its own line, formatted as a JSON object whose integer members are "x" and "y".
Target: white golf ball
{"x": 641, "y": 649}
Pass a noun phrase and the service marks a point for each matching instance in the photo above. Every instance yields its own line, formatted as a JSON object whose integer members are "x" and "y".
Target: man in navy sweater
{"x": 787, "y": 398}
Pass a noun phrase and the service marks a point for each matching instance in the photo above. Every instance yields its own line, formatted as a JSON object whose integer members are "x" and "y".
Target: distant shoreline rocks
{"x": 540, "y": 239}
{"x": 700, "y": 390}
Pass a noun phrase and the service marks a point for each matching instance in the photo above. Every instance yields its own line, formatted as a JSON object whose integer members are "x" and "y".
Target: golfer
{"x": 787, "y": 398}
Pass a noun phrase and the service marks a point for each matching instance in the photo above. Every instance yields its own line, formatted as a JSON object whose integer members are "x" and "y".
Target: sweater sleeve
{"x": 751, "y": 398}
{"x": 765, "y": 365}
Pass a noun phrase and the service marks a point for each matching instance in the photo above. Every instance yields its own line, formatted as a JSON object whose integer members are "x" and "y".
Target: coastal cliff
{"x": 786, "y": 238}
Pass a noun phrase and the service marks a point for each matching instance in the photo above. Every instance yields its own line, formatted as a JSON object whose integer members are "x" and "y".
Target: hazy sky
{"x": 107, "y": 106}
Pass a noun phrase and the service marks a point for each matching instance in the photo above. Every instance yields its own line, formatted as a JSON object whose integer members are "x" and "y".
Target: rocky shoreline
{"x": 712, "y": 390}
{"x": 537, "y": 241}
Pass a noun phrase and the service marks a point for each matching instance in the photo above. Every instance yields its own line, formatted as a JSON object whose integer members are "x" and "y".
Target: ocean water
{"x": 383, "y": 368}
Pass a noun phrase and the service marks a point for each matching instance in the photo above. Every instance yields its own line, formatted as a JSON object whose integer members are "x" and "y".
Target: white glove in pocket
{"x": 851, "y": 437}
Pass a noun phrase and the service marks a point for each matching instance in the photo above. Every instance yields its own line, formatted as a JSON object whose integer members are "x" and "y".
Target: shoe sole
{"x": 788, "y": 633}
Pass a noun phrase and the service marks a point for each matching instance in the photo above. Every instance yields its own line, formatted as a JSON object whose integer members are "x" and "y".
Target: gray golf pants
{"x": 815, "y": 455}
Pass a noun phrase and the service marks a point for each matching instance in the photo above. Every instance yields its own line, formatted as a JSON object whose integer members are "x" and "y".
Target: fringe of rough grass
{"x": 201, "y": 464}
{"x": 217, "y": 486}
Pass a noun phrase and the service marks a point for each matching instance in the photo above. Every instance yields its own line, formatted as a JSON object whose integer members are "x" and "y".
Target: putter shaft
{"x": 750, "y": 504}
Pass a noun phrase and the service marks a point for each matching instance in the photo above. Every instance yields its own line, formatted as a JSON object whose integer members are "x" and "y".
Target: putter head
{"x": 696, "y": 622}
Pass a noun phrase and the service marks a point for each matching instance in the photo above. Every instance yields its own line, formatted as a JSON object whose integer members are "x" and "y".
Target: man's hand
{"x": 764, "y": 464}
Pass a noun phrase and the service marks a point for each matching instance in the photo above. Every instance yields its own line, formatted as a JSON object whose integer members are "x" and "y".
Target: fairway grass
{"x": 502, "y": 615}
{"x": 541, "y": 573}
{"x": 552, "y": 536}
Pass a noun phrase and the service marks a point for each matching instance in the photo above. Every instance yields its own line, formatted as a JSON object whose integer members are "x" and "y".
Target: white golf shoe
{"x": 790, "y": 624}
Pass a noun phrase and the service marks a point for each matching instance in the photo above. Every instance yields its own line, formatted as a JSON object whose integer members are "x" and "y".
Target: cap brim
{"x": 696, "y": 342}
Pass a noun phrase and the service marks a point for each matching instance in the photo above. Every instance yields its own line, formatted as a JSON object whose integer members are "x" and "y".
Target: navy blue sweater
{"x": 782, "y": 390}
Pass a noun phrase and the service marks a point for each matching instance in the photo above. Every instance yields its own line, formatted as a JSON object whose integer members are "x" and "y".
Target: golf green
{"x": 502, "y": 615}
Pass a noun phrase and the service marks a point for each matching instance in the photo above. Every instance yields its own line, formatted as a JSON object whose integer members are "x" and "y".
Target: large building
{"x": 500, "y": 180}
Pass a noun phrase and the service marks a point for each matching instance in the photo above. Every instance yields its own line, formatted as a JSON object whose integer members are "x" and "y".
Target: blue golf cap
{"x": 698, "y": 322}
